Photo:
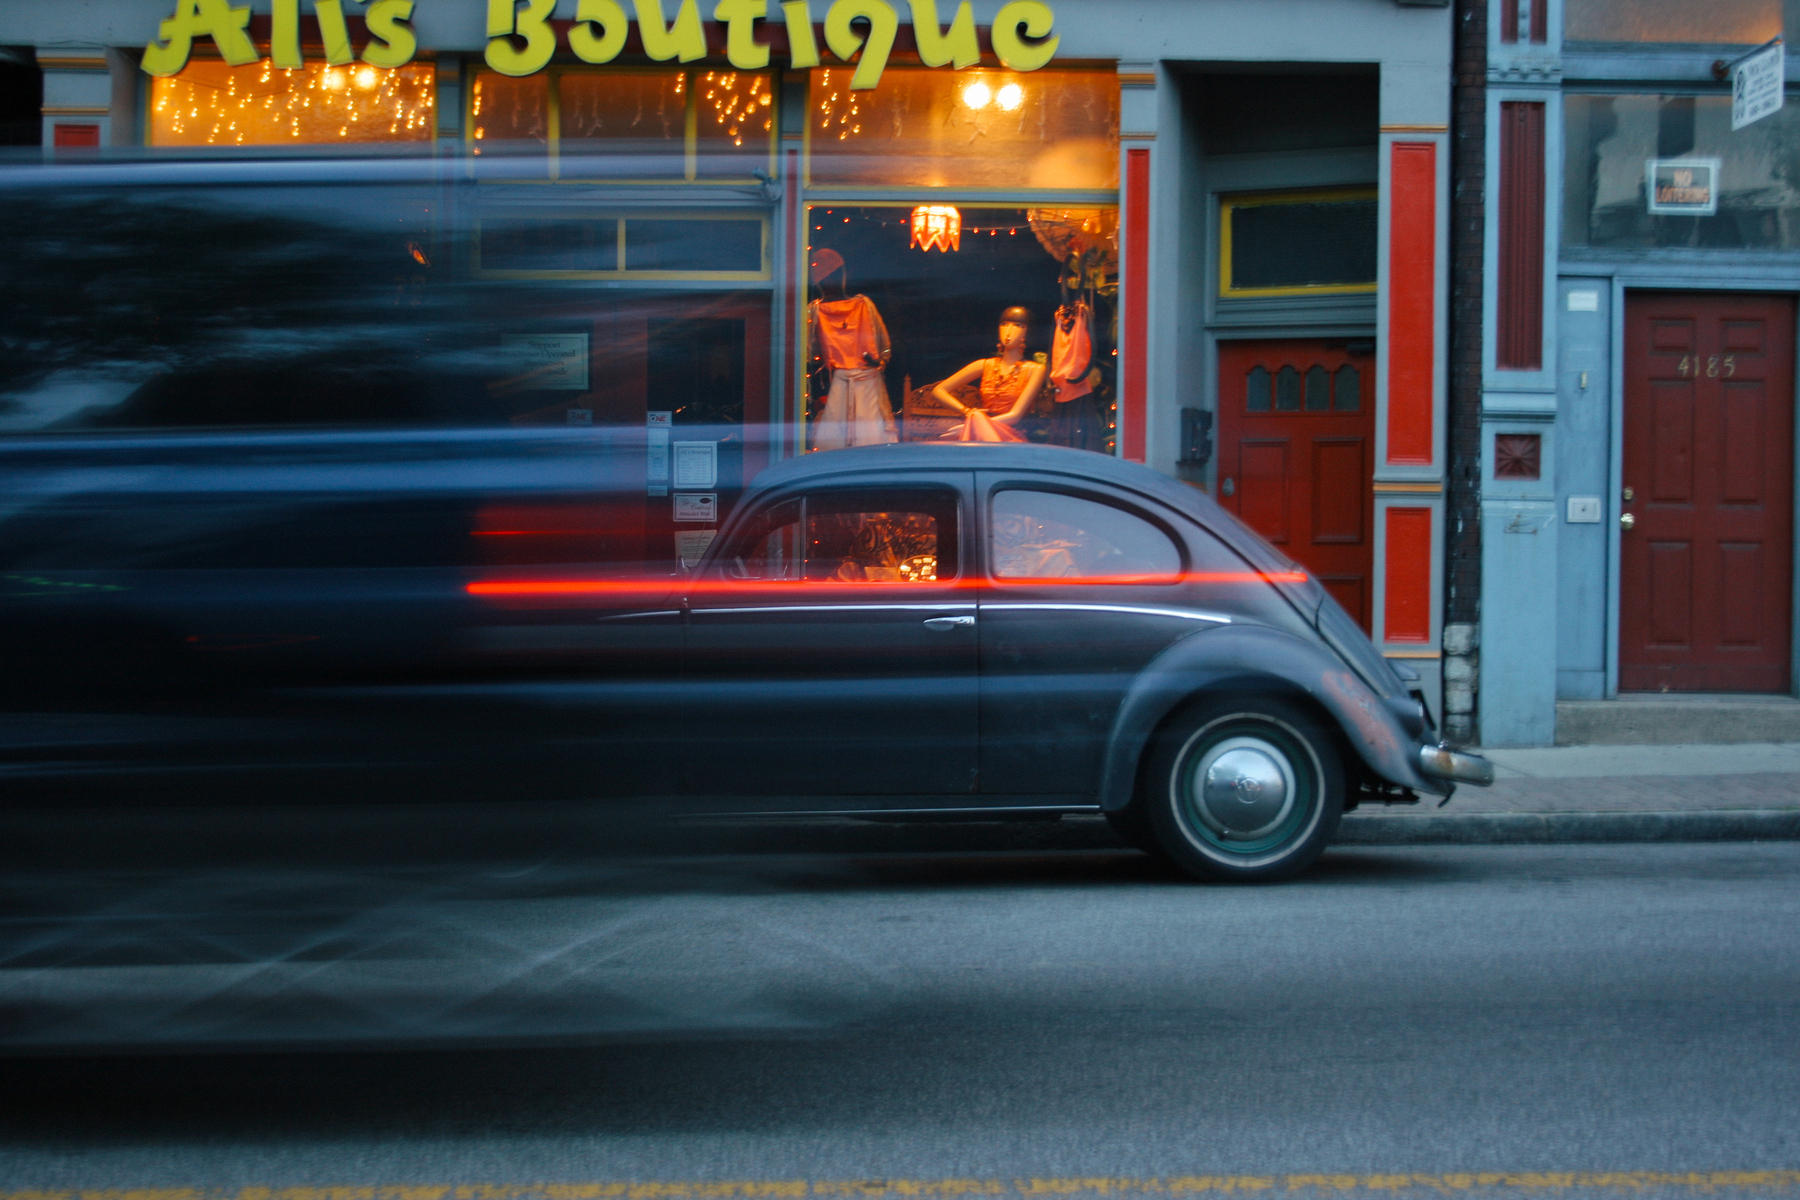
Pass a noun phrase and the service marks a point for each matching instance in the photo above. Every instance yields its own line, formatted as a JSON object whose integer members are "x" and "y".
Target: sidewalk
{"x": 1743, "y": 792}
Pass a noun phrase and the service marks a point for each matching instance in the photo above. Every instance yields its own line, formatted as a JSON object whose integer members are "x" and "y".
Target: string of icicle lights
{"x": 211, "y": 103}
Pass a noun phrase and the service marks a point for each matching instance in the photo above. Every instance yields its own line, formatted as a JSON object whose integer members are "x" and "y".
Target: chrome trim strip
{"x": 965, "y": 811}
{"x": 1185, "y": 614}
{"x": 638, "y": 616}
{"x": 776, "y": 608}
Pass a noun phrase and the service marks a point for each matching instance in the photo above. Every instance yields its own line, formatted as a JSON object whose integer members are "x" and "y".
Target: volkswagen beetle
{"x": 1036, "y": 629}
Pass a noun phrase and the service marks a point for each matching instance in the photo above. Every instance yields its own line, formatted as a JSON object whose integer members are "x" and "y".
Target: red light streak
{"x": 733, "y": 587}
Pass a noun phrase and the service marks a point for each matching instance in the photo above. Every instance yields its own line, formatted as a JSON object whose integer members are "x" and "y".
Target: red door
{"x": 1296, "y": 455}
{"x": 1706, "y": 568}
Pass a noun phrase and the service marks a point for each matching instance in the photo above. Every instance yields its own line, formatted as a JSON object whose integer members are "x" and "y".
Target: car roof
{"x": 1077, "y": 465}
{"x": 980, "y": 456}
{"x": 960, "y": 457}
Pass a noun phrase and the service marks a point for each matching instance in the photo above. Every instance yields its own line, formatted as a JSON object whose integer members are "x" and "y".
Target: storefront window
{"x": 906, "y": 298}
{"x": 509, "y": 111}
{"x": 977, "y": 129}
{"x": 1742, "y": 22}
{"x": 640, "y": 113}
{"x": 1615, "y": 145}
{"x": 211, "y": 104}
{"x": 645, "y": 124}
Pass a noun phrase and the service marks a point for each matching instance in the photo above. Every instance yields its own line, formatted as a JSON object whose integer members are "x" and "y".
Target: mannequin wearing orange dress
{"x": 1009, "y": 383}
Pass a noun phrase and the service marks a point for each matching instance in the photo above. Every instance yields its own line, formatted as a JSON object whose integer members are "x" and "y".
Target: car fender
{"x": 1246, "y": 656}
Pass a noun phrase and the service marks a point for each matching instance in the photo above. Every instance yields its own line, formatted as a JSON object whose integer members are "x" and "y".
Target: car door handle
{"x": 946, "y": 624}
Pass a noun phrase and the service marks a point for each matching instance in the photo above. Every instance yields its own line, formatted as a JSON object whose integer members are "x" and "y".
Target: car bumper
{"x": 1457, "y": 766}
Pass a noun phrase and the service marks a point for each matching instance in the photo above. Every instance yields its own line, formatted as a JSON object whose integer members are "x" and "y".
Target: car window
{"x": 1050, "y": 535}
{"x": 888, "y": 536}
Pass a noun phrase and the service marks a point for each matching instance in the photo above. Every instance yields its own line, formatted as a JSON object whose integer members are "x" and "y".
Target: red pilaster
{"x": 1412, "y": 301}
{"x": 1135, "y": 370}
{"x": 1519, "y": 335}
{"x": 1406, "y": 611}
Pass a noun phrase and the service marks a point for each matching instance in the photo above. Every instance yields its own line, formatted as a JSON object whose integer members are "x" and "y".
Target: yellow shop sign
{"x": 521, "y": 39}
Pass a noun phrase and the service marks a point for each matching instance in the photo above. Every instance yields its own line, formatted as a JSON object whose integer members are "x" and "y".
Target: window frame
{"x": 742, "y": 535}
{"x": 1183, "y": 553}
{"x": 623, "y": 216}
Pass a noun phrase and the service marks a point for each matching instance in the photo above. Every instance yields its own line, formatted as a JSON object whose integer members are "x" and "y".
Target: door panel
{"x": 1263, "y": 488}
{"x": 1084, "y": 589}
{"x": 1298, "y": 469}
{"x": 1740, "y": 476}
{"x": 822, "y": 662}
{"x": 1338, "y": 473}
{"x": 1706, "y": 573}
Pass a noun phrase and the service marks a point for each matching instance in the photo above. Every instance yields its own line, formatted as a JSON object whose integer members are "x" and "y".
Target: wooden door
{"x": 1297, "y": 454}
{"x": 1706, "y": 569}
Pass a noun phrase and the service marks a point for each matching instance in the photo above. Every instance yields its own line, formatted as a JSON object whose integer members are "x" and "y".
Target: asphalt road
{"x": 890, "y": 1011}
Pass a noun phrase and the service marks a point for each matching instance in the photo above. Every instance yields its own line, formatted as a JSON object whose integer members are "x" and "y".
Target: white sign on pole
{"x": 656, "y": 461}
{"x": 1758, "y": 81}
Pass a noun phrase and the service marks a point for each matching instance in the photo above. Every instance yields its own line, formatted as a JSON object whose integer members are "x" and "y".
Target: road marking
{"x": 1640, "y": 1183}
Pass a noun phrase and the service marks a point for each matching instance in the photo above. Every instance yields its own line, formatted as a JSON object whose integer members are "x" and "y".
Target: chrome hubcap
{"x": 1245, "y": 788}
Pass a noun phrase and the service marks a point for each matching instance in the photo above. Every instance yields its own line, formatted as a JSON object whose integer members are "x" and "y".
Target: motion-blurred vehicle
{"x": 894, "y": 631}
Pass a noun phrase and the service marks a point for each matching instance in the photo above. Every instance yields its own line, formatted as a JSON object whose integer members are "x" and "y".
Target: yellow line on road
{"x": 1642, "y": 1183}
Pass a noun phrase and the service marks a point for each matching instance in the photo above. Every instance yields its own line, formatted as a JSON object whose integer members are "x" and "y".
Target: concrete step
{"x": 1663, "y": 718}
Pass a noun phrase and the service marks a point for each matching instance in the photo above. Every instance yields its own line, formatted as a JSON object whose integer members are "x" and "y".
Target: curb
{"x": 1502, "y": 829}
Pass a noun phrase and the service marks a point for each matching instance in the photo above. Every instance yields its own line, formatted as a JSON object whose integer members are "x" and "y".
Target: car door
{"x": 831, "y": 650}
{"x": 1084, "y": 587}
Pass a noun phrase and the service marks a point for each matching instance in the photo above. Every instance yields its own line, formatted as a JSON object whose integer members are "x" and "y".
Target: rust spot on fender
{"x": 1361, "y": 706}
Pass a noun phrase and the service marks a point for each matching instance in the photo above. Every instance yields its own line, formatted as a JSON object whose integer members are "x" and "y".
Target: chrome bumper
{"x": 1441, "y": 762}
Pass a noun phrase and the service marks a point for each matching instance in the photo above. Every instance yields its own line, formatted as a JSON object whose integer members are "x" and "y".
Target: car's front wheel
{"x": 1243, "y": 789}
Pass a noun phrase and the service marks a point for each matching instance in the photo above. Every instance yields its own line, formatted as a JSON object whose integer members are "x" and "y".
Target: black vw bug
{"x": 1033, "y": 629}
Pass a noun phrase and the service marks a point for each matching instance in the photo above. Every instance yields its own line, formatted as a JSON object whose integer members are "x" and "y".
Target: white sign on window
{"x": 696, "y": 464}
{"x": 656, "y": 456}
{"x": 1757, "y": 83}
{"x": 702, "y": 507}
{"x": 547, "y": 362}
{"x": 691, "y": 544}
{"x": 1686, "y": 187}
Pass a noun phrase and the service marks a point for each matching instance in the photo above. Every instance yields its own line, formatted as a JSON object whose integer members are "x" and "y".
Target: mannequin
{"x": 1072, "y": 377}
{"x": 1009, "y": 383}
{"x": 848, "y": 337}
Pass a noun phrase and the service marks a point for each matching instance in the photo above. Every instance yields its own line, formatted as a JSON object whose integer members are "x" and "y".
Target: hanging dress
{"x": 1001, "y": 386}
{"x": 856, "y": 412}
{"x": 1077, "y": 421}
